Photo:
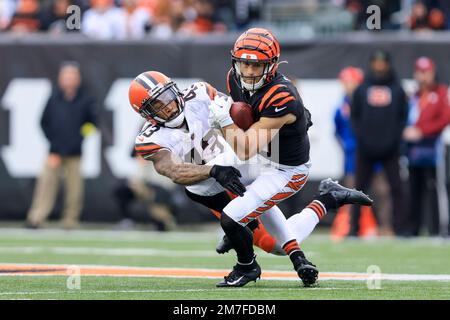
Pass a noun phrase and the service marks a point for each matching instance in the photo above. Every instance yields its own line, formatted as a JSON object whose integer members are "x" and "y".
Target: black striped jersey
{"x": 277, "y": 99}
{"x": 196, "y": 143}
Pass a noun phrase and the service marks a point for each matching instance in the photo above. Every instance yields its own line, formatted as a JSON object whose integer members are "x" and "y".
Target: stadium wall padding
{"x": 207, "y": 58}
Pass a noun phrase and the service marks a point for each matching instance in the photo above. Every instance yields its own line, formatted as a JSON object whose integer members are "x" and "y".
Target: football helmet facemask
{"x": 257, "y": 46}
{"x": 157, "y": 99}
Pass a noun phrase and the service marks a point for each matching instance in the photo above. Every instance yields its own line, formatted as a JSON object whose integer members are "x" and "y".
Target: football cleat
{"x": 239, "y": 277}
{"x": 306, "y": 271}
{"x": 344, "y": 195}
{"x": 224, "y": 245}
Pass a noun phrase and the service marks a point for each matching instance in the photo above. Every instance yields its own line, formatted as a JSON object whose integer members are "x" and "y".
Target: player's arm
{"x": 168, "y": 164}
{"x": 248, "y": 143}
{"x": 276, "y": 112}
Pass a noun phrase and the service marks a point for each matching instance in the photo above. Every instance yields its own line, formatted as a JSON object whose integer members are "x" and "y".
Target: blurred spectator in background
{"x": 137, "y": 20}
{"x": 168, "y": 18}
{"x": 429, "y": 114}
{"x": 224, "y": 13}
{"x": 68, "y": 116}
{"x": 201, "y": 22}
{"x": 27, "y": 17}
{"x": 379, "y": 111}
{"x": 7, "y": 8}
{"x": 185, "y": 18}
{"x": 103, "y": 21}
{"x": 148, "y": 5}
{"x": 247, "y": 12}
{"x": 444, "y": 6}
{"x": 54, "y": 17}
{"x": 141, "y": 187}
{"x": 132, "y": 19}
{"x": 425, "y": 18}
{"x": 351, "y": 78}
{"x": 387, "y": 8}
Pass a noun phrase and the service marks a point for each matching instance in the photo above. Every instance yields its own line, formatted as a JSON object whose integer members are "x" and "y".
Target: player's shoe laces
{"x": 224, "y": 245}
{"x": 240, "y": 276}
{"x": 306, "y": 271}
{"x": 343, "y": 195}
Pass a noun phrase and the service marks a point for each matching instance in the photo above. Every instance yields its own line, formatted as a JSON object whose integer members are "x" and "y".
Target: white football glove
{"x": 219, "y": 112}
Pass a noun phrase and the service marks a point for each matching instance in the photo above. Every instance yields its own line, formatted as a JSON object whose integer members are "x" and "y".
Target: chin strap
{"x": 253, "y": 87}
{"x": 178, "y": 121}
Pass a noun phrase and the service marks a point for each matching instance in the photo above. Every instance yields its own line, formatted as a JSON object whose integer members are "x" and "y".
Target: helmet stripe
{"x": 259, "y": 40}
{"x": 151, "y": 77}
{"x": 145, "y": 82}
{"x": 156, "y": 77}
{"x": 261, "y": 35}
{"x": 254, "y": 42}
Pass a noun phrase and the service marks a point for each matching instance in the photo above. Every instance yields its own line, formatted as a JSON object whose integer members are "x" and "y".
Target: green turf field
{"x": 407, "y": 259}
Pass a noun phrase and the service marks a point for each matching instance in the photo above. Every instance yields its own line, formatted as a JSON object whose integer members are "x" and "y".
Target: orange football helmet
{"x": 256, "y": 45}
{"x": 151, "y": 93}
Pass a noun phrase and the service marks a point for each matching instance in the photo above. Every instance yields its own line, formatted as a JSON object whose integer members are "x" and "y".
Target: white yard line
{"x": 201, "y": 235}
{"x": 250, "y": 289}
{"x": 283, "y": 275}
{"x": 112, "y": 235}
{"x": 118, "y": 252}
{"x": 107, "y": 251}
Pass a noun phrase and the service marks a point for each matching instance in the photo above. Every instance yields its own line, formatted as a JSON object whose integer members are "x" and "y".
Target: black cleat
{"x": 344, "y": 195}
{"x": 239, "y": 277}
{"x": 306, "y": 271}
{"x": 224, "y": 245}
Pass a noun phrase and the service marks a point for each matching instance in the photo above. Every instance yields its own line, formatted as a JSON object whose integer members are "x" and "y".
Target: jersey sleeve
{"x": 210, "y": 90}
{"x": 279, "y": 101}
{"x": 232, "y": 86}
{"x": 149, "y": 142}
{"x": 201, "y": 91}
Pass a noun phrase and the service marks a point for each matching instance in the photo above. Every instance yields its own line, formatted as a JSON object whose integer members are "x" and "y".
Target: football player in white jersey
{"x": 179, "y": 141}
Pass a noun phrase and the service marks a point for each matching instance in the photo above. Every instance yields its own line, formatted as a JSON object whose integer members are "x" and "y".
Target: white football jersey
{"x": 195, "y": 143}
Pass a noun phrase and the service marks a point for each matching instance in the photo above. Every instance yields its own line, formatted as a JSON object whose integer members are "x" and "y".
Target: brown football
{"x": 242, "y": 115}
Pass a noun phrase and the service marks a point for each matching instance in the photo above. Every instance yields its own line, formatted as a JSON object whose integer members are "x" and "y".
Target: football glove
{"x": 219, "y": 112}
{"x": 228, "y": 177}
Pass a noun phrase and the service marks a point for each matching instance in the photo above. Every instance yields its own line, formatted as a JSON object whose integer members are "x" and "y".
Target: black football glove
{"x": 228, "y": 177}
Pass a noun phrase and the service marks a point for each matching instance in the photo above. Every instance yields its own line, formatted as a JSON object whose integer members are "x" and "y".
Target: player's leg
{"x": 216, "y": 203}
{"x": 270, "y": 188}
{"x": 331, "y": 196}
{"x": 212, "y": 195}
{"x": 44, "y": 196}
{"x": 363, "y": 178}
{"x": 74, "y": 192}
{"x": 241, "y": 238}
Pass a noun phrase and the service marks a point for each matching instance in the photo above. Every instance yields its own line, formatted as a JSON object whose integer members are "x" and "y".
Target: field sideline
{"x": 45, "y": 264}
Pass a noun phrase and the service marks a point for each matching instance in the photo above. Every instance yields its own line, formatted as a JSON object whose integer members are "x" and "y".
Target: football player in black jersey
{"x": 281, "y": 123}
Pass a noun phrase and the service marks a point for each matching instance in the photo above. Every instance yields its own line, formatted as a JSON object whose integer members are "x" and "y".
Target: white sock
{"x": 276, "y": 225}
{"x": 303, "y": 223}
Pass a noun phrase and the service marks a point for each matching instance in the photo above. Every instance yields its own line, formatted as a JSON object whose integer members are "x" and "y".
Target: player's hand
{"x": 219, "y": 112}
{"x": 228, "y": 177}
